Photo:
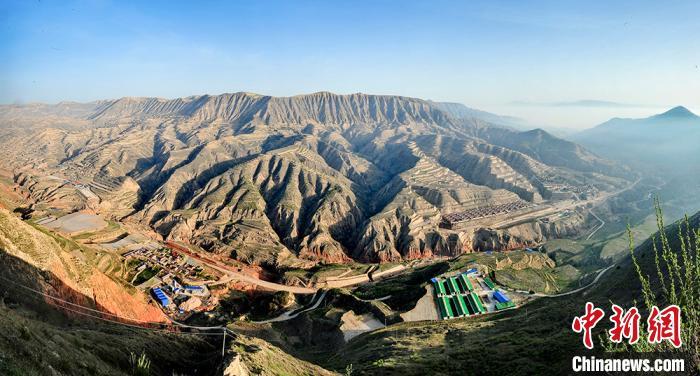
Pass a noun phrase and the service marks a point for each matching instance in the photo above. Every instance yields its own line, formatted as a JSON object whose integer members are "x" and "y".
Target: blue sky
{"x": 551, "y": 62}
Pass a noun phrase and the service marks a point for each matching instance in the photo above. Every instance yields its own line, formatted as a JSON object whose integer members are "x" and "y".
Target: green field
{"x": 145, "y": 275}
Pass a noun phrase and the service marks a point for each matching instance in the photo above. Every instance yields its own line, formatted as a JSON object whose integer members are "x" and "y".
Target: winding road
{"x": 600, "y": 274}
{"x": 232, "y": 274}
{"x": 236, "y": 275}
{"x": 295, "y": 312}
{"x": 602, "y": 223}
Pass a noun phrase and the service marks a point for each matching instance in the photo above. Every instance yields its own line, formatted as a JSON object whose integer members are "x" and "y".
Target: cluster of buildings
{"x": 168, "y": 260}
{"x": 558, "y": 216}
{"x": 561, "y": 189}
{"x": 177, "y": 298}
{"x": 173, "y": 288}
{"x": 449, "y": 220}
{"x": 468, "y": 294}
{"x": 568, "y": 192}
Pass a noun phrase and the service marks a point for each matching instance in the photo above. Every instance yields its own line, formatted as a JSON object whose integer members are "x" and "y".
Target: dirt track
{"x": 235, "y": 275}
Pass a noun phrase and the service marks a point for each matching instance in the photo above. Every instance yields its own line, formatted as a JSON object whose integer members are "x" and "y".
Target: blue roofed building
{"x": 195, "y": 290}
{"x": 500, "y": 297}
{"x": 161, "y": 297}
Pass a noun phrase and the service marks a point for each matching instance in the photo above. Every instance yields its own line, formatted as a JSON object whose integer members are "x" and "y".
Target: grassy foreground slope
{"x": 535, "y": 339}
{"x": 30, "y": 345}
{"x": 39, "y": 338}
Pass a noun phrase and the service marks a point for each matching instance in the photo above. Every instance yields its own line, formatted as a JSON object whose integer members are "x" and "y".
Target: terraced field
{"x": 292, "y": 182}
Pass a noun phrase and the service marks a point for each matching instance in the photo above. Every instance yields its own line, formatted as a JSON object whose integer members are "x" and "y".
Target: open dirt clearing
{"x": 131, "y": 241}
{"x": 354, "y": 325}
{"x": 77, "y": 222}
{"x": 425, "y": 308}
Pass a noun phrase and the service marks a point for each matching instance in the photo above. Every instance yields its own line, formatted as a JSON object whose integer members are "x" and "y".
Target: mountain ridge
{"x": 284, "y": 180}
{"x": 666, "y": 140}
{"x": 677, "y": 112}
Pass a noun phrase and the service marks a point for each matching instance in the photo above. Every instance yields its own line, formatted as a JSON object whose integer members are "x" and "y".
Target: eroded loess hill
{"x": 298, "y": 180}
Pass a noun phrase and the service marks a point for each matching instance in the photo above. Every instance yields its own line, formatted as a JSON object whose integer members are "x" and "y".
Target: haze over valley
{"x": 317, "y": 188}
{"x": 262, "y": 192}
{"x": 318, "y": 178}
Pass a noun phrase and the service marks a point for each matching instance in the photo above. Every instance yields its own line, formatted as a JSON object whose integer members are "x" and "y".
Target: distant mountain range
{"x": 291, "y": 180}
{"x": 670, "y": 139}
{"x": 460, "y": 111}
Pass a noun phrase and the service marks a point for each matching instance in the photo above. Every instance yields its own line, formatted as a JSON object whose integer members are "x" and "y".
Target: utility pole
{"x": 223, "y": 352}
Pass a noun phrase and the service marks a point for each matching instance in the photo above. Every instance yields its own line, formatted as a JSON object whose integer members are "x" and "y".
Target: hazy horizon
{"x": 554, "y": 65}
{"x": 631, "y": 112}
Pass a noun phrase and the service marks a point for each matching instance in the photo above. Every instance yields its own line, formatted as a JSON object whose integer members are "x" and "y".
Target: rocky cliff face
{"x": 287, "y": 181}
{"x": 404, "y": 235}
{"x": 526, "y": 234}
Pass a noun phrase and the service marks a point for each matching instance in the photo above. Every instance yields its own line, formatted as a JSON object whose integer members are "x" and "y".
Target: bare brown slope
{"x": 293, "y": 179}
{"x": 71, "y": 279}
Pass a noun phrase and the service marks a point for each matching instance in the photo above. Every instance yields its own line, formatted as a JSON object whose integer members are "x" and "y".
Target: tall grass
{"x": 677, "y": 278}
{"x": 140, "y": 365}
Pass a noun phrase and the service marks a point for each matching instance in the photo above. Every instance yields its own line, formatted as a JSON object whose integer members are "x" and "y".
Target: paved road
{"x": 383, "y": 298}
{"x": 236, "y": 275}
{"x": 578, "y": 289}
{"x": 602, "y": 223}
{"x": 290, "y": 314}
{"x": 362, "y": 278}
